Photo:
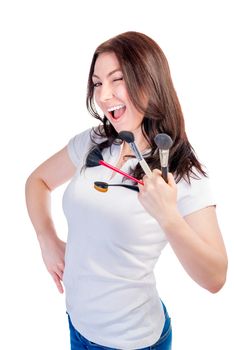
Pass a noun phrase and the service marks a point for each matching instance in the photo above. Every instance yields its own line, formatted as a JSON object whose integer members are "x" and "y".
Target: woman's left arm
{"x": 196, "y": 238}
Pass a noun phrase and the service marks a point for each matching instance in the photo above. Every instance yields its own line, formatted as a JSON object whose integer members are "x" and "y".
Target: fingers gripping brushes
{"x": 129, "y": 138}
{"x": 95, "y": 159}
{"x": 164, "y": 143}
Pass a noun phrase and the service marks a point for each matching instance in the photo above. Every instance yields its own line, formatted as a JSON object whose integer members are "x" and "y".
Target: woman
{"x": 115, "y": 239}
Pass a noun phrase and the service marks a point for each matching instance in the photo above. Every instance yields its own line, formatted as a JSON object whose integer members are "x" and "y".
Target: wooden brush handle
{"x": 145, "y": 167}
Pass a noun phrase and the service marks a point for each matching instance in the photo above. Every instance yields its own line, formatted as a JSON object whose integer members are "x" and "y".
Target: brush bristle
{"x": 163, "y": 141}
{"x": 126, "y": 136}
{"x": 101, "y": 186}
{"x": 93, "y": 158}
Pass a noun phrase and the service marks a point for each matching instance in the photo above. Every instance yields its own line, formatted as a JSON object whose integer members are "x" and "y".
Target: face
{"x": 112, "y": 97}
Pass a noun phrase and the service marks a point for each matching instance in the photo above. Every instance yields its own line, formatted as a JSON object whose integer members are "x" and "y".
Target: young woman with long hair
{"x": 115, "y": 238}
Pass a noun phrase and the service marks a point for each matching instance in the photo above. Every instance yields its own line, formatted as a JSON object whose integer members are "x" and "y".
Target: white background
{"x": 46, "y": 48}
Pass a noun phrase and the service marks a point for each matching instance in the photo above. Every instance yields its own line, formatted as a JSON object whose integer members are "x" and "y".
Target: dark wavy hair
{"x": 146, "y": 73}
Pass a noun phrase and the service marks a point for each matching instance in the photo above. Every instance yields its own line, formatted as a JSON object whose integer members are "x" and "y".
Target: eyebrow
{"x": 109, "y": 74}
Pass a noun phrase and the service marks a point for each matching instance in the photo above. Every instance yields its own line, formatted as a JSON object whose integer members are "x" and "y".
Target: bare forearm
{"x": 203, "y": 263}
{"x": 39, "y": 208}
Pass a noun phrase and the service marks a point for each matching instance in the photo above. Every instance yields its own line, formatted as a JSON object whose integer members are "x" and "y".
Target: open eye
{"x": 97, "y": 84}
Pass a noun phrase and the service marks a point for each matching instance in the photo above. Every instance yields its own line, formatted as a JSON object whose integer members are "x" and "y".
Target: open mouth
{"x": 117, "y": 112}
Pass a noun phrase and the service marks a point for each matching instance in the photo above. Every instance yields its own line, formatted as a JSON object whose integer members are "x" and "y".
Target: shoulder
{"x": 90, "y": 135}
{"x": 194, "y": 195}
{"x": 80, "y": 144}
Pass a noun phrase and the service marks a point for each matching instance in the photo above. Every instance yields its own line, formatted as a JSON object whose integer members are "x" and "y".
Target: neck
{"x": 141, "y": 144}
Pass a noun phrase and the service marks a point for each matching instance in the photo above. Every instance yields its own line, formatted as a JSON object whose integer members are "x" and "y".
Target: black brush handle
{"x": 165, "y": 173}
{"x": 131, "y": 187}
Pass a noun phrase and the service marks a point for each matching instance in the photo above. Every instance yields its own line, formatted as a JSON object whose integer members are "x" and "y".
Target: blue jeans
{"x": 78, "y": 342}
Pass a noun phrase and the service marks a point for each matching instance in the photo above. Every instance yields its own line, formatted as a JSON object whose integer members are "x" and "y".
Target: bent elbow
{"x": 218, "y": 284}
{"x": 215, "y": 288}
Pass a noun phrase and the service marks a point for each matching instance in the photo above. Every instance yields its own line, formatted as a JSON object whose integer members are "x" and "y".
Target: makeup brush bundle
{"x": 95, "y": 158}
{"x": 163, "y": 142}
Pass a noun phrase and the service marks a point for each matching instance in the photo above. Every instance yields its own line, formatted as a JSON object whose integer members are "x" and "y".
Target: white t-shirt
{"x": 112, "y": 247}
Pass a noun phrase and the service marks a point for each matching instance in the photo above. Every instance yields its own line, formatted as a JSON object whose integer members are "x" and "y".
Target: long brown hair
{"x": 146, "y": 72}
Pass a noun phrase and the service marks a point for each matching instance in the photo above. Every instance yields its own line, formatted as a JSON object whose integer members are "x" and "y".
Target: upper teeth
{"x": 115, "y": 107}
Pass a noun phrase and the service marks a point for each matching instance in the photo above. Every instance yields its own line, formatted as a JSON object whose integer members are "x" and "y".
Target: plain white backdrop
{"x": 46, "y": 49}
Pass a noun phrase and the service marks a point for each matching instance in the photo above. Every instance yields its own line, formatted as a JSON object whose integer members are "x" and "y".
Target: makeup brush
{"x": 164, "y": 143}
{"x": 95, "y": 158}
{"x": 128, "y": 136}
{"x": 103, "y": 186}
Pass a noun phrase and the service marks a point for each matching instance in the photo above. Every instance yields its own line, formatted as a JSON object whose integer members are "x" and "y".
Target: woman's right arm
{"x": 52, "y": 173}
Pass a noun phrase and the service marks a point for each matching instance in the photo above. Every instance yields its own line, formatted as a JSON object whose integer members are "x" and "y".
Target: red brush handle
{"x": 120, "y": 171}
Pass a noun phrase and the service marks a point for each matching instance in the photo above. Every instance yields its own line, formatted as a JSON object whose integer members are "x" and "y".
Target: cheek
{"x": 96, "y": 97}
{"x": 97, "y": 100}
{"x": 121, "y": 93}
{"x": 97, "y": 103}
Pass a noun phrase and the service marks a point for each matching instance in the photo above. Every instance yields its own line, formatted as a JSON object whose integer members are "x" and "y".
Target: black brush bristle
{"x": 101, "y": 184}
{"x": 163, "y": 141}
{"x": 126, "y": 136}
{"x": 93, "y": 158}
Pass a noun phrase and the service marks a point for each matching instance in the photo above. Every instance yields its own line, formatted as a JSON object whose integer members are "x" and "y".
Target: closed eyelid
{"x": 99, "y": 82}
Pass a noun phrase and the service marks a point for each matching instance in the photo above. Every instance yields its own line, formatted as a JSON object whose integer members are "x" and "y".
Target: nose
{"x": 105, "y": 93}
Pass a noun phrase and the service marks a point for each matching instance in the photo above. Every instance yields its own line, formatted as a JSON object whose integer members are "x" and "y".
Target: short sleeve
{"x": 194, "y": 196}
{"x": 79, "y": 146}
